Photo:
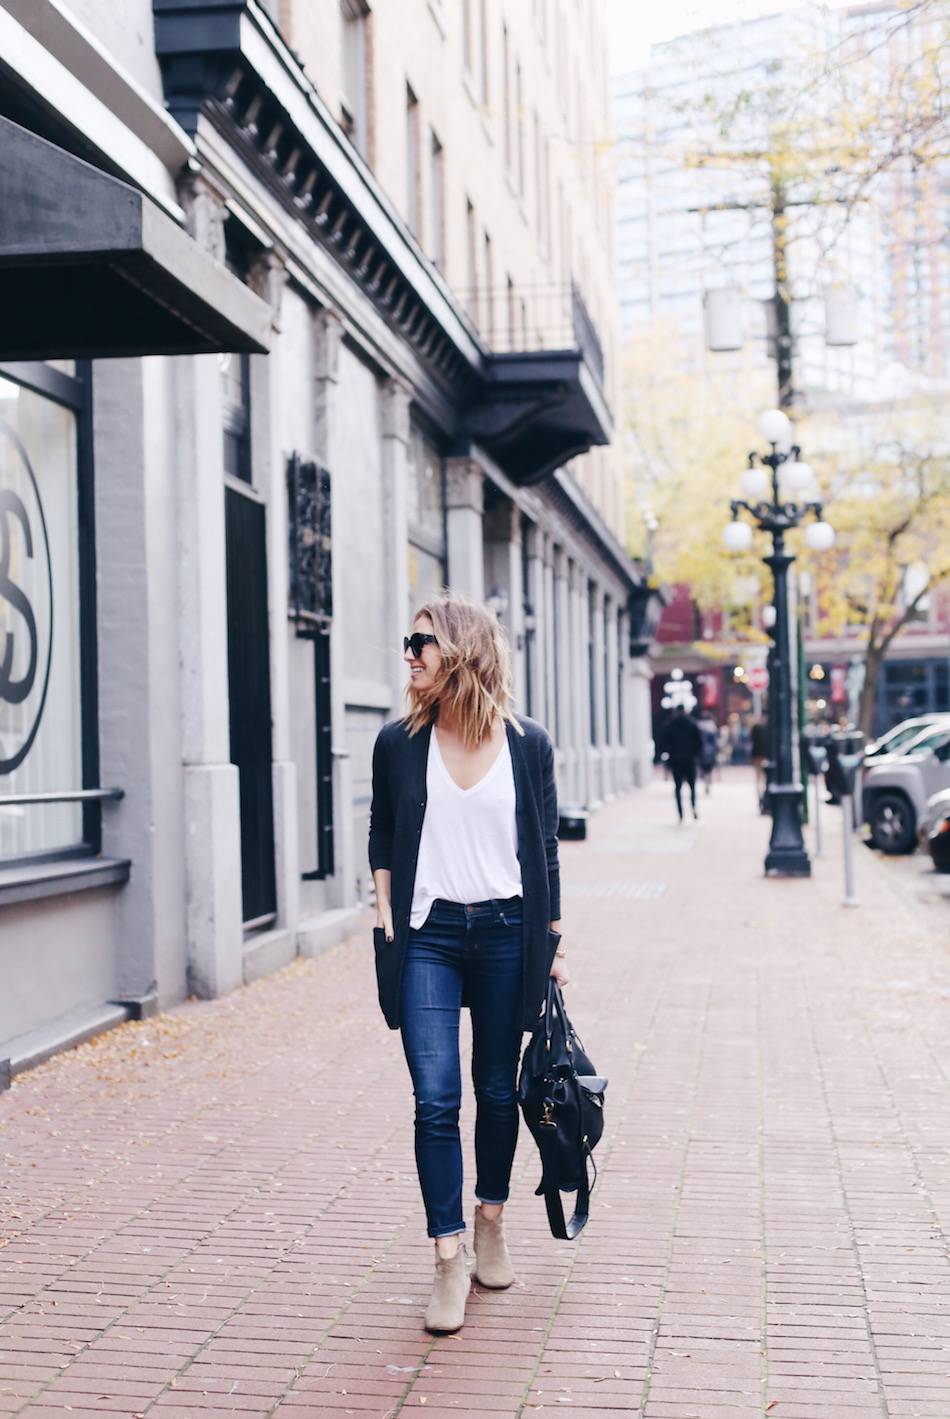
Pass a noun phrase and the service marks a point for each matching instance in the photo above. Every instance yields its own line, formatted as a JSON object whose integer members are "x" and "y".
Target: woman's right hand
{"x": 384, "y": 919}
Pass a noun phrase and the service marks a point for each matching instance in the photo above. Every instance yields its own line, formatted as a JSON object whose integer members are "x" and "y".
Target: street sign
{"x": 758, "y": 678}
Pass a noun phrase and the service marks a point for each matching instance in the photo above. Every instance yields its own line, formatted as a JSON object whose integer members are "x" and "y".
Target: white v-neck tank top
{"x": 468, "y": 851}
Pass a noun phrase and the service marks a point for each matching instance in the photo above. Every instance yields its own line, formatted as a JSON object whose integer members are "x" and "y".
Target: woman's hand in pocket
{"x": 384, "y": 919}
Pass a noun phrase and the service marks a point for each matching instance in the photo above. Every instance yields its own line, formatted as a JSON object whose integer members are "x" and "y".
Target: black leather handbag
{"x": 562, "y": 1100}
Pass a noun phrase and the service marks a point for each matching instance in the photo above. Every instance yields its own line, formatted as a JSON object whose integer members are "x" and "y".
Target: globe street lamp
{"x": 780, "y": 493}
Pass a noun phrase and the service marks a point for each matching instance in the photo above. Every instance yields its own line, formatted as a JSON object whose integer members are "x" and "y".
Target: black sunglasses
{"x": 415, "y": 642}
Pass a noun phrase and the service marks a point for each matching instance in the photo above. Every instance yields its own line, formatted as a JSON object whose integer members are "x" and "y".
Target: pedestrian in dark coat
{"x": 463, "y": 849}
{"x": 681, "y": 744}
{"x": 709, "y": 733}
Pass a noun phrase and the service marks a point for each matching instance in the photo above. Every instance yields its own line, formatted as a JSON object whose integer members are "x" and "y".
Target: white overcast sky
{"x": 636, "y": 24}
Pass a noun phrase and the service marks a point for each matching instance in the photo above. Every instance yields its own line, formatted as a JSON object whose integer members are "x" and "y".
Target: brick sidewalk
{"x": 218, "y": 1209}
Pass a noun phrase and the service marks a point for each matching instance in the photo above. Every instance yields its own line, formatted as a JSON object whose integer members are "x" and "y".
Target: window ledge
{"x": 33, "y": 880}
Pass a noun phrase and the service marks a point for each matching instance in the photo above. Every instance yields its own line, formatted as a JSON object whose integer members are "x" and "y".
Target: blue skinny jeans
{"x": 476, "y": 948}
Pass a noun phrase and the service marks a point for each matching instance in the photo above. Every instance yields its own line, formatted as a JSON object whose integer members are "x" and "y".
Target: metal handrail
{"x": 74, "y": 795}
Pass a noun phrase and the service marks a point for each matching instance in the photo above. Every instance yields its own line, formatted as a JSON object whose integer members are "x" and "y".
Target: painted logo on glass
{"x": 26, "y": 603}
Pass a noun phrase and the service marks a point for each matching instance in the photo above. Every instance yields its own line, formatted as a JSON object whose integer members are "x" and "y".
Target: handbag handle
{"x": 553, "y": 1004}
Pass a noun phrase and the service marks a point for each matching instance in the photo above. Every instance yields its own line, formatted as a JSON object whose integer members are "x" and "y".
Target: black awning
{"x": 90, "y": 267}
{"x": 537, "y": 410}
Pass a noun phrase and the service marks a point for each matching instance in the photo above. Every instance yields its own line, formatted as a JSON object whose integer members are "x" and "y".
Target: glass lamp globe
{"x": 820, "y": 536}
{"x": 798, "y": 476}
{"x": 755, "y": 483}
{"x": 768, "y": 617}
{"x": 737, "y": 536}
{"x": 774, "y": 426}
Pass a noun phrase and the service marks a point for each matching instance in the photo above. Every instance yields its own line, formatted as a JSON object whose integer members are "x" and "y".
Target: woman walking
{"x": 463, "y": 849}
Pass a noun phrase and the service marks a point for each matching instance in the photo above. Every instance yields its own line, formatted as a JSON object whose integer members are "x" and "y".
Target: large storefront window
{"x": 426, "y": 520}
{"x": 41, "y": 745}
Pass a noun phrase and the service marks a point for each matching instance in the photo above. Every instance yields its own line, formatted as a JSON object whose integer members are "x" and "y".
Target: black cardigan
{"x": 395, "y": 828}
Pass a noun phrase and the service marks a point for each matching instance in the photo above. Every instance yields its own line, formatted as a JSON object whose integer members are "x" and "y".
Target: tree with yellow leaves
{"x": 684, "y": 435}
{"x": 889, "y": 501}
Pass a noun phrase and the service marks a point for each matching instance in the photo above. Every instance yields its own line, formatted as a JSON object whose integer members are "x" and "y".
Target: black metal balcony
{"x": 520, "y": 320}
{"x": 543, "y": 398}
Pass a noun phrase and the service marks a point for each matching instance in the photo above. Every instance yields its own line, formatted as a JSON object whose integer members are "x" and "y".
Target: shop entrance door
{"x": 249, "y": 691}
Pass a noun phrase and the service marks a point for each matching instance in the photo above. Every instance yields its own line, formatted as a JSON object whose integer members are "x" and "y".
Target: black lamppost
{"x": 777, "y": 510}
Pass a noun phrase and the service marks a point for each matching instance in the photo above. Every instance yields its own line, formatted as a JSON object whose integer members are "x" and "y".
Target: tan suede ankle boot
{"x": 450, "y": 1290}
{"x": 493, "y": 1266}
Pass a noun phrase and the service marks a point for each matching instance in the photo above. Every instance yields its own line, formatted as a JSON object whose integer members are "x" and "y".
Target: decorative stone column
{"x": 563, "y": 659}
{"x": 211, "y": 796}
{"x": 396, "y": 400}
{"x": 626, "y": 700}
{"x": 581, "y": 680}
{"x": 502, "y": 535}
{"x": 464, "y": 505}
{"x": 614, "y": 777}
{"x": 536, "y": 637}
{"x": 268, "y": 277}
{"x": 138, "y": 642}
{"x": 328, "y": 337}
{"x": 212, "y": 826}
{"x": 599, "y": 751}
{"x": 638, "y": 680}
{"x": 550, "y": 661}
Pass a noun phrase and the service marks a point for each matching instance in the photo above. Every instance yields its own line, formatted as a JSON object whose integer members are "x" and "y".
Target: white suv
{"x": 897, "y": 786}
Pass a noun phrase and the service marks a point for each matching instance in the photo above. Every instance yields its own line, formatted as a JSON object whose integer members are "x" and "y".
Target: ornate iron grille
{"x": 311, "y": 546}
{"x": 311, "y": 609}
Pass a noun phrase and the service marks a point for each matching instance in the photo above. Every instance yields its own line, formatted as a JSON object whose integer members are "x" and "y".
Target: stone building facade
{"x": 248, "y": 417}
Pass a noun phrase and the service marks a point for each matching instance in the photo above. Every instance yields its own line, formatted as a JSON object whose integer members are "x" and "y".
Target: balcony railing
{"x": 525, "y": 319}
{"x": 588, "y": 341}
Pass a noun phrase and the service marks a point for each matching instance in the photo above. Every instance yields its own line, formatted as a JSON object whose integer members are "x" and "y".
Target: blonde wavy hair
{"x": 474, "y": 681}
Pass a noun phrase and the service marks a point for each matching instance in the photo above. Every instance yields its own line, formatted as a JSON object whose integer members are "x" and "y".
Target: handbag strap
{"x": 548, "y": 1150}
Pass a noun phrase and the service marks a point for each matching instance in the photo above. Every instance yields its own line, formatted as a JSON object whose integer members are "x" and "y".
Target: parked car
{"x": 900, "y": 736}
{"x": 897, "y": 788}
{"x": 927, "y": 738}
{"x": 935, "y": 830}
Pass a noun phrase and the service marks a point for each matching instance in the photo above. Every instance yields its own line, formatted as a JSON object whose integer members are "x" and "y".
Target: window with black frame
{"x": 48, "y": 736}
